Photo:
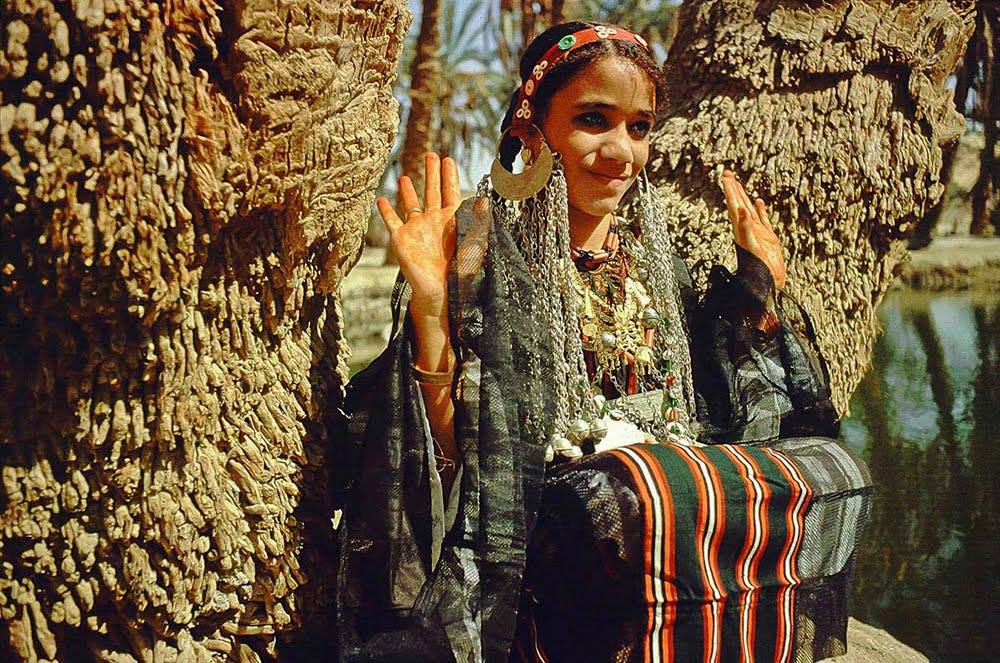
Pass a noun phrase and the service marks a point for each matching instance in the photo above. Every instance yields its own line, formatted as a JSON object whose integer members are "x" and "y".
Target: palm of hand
{"x": 752, "y": 229}
{"x": 424, "y": 246}
{"x": 425, "y": 243}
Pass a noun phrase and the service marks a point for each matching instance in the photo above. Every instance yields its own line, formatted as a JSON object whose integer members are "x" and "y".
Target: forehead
{"x": 611, "y": 80}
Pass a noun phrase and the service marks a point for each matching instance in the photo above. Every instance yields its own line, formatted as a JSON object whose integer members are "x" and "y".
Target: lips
{"x": 609, "y": 180}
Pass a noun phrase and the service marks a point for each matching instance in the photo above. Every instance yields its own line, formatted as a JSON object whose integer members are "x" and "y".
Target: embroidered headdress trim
{"x": 524, "y": 115}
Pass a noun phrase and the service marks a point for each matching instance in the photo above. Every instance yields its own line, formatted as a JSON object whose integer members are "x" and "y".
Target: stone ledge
{"x": 868, "y": 644}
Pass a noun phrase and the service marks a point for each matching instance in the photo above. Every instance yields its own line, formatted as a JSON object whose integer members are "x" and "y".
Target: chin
{"x": 597, "y": 207}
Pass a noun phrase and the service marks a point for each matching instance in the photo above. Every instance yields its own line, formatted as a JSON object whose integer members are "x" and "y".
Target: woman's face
{"x": 599, "y": 122}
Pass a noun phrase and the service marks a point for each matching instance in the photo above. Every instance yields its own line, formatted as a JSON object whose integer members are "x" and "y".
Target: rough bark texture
{"x": 986, "y": 192}
{"x": 835, "y": 113}
{"x": 924, "y": 231}
{"x": 183, "y": 186}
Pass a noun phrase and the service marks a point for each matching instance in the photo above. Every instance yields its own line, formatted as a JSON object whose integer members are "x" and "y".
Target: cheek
{"x": 641, "y": 154}
{"x": 577, "y": 149}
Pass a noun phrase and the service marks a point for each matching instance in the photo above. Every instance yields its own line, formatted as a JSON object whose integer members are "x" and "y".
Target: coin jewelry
{"x": 614, "y": 307}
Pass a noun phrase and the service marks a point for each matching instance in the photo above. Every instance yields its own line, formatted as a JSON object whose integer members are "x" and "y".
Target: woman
{"x": 545, "y": 322}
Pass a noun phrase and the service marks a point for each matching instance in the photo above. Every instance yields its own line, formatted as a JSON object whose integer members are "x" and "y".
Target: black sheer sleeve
{"x": 394, "y": 602}
{"x": 753, "y": 386}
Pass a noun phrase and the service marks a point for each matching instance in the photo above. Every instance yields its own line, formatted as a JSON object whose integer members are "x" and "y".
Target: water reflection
{"x": 927, "y": 420}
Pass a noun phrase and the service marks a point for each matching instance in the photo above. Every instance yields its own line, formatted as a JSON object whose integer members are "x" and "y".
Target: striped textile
{"x": 835, "y": 521}
{"x": 691, "y": 554}
{"x": 768, "y": 493}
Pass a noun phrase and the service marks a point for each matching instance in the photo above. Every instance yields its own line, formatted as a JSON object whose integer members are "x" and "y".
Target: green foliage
{"x": 471, "y": 92}
{"x": 655, "y": 20}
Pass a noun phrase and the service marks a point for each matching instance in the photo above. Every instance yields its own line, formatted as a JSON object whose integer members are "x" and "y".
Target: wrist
{"x": 429, "y": 306}
{"x": 764, "y": 318}
{"x": 430, "y": 364}
{"x": 767, "y": 323}
{"x": 435, "y": 379}
{"x": 432, "y": 347}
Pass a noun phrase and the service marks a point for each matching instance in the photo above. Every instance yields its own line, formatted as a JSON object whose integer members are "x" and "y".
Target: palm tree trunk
{"x": 836, "y": 115}
{"x": 986, "y": 191}
{"x": 184, "y": 185}
{"x": 533, "y": 17}
{"x": 558, "y": 12}
{"x": 425, "y": 80}
{"x": 924, "y": 232}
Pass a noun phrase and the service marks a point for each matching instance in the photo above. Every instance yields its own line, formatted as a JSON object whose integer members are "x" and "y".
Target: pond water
{"x": 926, "y": 418}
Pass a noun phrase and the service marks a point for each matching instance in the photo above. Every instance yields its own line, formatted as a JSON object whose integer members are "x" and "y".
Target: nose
{"x": 617, "y": 145}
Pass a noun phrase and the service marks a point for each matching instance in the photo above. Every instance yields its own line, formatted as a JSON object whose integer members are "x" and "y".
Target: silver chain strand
{"x": 672, "y": 335}
{"x": 539, "y": 227}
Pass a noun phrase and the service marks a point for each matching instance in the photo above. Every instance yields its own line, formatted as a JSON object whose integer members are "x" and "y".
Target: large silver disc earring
{"x": 526, "y": 184}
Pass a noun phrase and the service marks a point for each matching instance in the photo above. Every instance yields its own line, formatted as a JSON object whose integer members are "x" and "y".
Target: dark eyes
{"x": 595, "y": 120}
{"x": 640, "y": 128}
{"x": 592, "y": 120}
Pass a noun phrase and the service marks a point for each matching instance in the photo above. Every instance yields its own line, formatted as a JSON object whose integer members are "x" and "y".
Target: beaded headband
{"x": 525, "y": 113}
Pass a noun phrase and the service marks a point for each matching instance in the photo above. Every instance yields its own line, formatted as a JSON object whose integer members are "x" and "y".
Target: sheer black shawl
{"x": 392, "y": 605}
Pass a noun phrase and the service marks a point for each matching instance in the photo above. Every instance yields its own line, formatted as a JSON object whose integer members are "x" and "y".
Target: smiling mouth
{"x": 609, "y": 179}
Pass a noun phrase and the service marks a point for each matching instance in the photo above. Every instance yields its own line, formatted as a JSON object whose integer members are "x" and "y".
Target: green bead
{"x": 567, "y": 42}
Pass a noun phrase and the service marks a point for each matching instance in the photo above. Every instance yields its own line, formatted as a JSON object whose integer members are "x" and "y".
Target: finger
{"x": 762, "y": 212}
{"x": 389, "y": 217}
{"x": 741, "y": 229}
{"x": 432, "y": 182}
{"x": 746, "y": 202}
{"x": 732, "y": 200}
{"x": 408, "y": 195}
{"x": 452, "y": 191}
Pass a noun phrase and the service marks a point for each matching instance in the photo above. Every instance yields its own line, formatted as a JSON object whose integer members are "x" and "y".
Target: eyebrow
{"x": 600, "y": 105}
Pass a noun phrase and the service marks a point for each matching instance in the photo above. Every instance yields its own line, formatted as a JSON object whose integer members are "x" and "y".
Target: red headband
{"x": 525, "y": 111}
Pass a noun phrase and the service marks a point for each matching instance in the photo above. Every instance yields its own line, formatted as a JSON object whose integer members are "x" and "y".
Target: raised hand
{"x": 424, "y": 241}
{"x": 752, "y": 229}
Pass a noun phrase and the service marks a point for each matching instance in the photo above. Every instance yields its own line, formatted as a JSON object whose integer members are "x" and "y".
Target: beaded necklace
{"x": 618, "y": 323}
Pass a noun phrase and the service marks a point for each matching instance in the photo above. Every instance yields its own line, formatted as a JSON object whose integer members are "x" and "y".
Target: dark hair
{"x": 563, "y": 72}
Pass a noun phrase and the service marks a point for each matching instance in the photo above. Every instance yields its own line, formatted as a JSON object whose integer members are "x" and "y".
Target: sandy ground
{"x": 954, "y": 263}
{"x": 958, "y": 252}
{"x": 365, "y": 300}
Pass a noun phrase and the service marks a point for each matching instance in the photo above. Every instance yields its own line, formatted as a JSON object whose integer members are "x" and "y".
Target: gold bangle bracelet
{"x": 433, "y": 377}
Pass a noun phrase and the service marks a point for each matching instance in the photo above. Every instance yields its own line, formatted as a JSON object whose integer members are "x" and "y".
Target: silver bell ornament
{"x": 650, "y": 317}
{"x": 644, "y": 355}
{"x": 641, "y": 274}
{"x": 609, "y": 340}
{"x": 578, "y": 431}
{"x": 598, "y": 430}
{"x": 561, "y": 444}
